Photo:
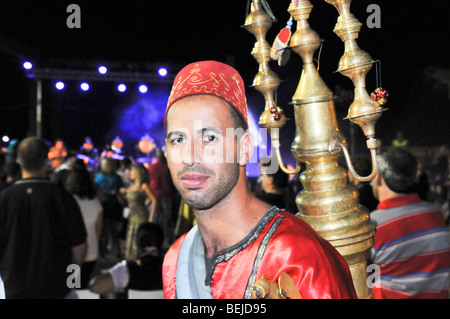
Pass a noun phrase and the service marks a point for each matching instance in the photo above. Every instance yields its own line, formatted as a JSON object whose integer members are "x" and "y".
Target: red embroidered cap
{"x": 212, "y": 78}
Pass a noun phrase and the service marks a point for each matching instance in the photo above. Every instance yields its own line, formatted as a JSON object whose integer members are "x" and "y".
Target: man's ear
{"x": 246, "y": 145}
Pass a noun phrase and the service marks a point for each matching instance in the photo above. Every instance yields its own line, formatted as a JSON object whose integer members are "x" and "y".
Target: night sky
{"x": 140, "y": 35}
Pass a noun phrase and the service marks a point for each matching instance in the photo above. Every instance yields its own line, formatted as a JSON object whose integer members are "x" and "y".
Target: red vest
{"x": 279, "y": 243}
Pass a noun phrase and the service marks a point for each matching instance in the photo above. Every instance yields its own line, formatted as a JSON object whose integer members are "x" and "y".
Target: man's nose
{"x": 192, "y": 152}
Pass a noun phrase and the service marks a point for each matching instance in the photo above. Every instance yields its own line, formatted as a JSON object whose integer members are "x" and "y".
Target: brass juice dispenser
{"x": 328, "y": 202}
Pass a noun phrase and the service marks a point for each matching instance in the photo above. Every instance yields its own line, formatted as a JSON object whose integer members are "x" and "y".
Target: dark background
{"x": 140, "y": 35}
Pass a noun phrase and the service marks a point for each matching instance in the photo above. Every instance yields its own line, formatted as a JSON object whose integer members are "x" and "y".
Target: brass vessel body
{"x": 328, "y": 202}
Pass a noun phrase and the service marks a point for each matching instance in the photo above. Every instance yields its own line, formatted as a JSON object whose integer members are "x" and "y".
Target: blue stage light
{"x": 143, "y": 88}
{"x": 27, "y": 65}
{"x": 59, "y": 85}
{"x": 162, "y": 72}
{"x": 121, "y": 87}
{"x": 102, "y": 69}
{"x": 84, "y": 86}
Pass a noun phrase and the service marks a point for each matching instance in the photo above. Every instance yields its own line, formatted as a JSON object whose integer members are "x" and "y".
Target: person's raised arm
{"x": 79, "y": 253}
{"x": 102, "y": 284}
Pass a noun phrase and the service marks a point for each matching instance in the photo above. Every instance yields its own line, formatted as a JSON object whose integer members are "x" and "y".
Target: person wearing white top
{"x": 80, "y": 184}
{"x": 2, "y": 289}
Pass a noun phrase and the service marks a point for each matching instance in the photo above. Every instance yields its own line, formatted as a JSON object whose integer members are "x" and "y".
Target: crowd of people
{"x": 193, "y": 228}
{"x": 103, "y": 207}
{"x": 123, "y": 196}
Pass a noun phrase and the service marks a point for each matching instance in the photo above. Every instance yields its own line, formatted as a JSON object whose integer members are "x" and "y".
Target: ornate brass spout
{"x": 373, "y": 153}
{"x": 275, "y": 139}
{"x": 328, "y": 203}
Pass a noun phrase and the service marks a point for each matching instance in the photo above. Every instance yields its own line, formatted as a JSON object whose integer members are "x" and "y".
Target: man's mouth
{"x": 193, "y": 180}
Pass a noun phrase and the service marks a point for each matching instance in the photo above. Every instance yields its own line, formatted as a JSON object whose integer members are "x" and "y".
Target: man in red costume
{"x": 238, "y": 238}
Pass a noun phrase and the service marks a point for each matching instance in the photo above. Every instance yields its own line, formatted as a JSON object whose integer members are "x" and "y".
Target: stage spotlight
{"x": 162, "y": 72}
{"x": 121, "y": 87}
{"x": 143, "y": 88}
{"x": 27, "y": 65}
{"x": 5, "y": 138}
{"x": 59, "y": 85}
{"x": 84, "y": 86}
{"x": 102, "y": 69}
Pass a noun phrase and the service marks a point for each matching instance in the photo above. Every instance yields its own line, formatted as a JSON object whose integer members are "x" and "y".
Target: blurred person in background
{"x": 108, "y": 184}
{"x": 411, "y": 244}
{"x": 79, "y": 183}
{"x": 162, "y": 186}
{"x": 139, "y": 196}
{"x": 276, "y": 189}
{"x": 143, "y": 273}
{"x": 42, "y": 230}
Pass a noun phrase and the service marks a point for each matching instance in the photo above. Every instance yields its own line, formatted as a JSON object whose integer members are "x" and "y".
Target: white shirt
{"x": 2, "y": 289}
{"x": 90, "y": 209}
{"x": 120, "y": 274}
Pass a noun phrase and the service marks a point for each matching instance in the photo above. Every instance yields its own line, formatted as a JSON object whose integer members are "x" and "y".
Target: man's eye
{"x": 209, "y": 138}
{"x": 177, "y": 140}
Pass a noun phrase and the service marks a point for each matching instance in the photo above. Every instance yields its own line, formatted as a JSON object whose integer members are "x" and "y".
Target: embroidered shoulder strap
{"x": 260, "y": 255}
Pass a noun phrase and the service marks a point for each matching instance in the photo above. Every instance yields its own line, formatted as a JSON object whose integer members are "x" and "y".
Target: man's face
{"x": 132, "y": 174}
{"x": 201, "y": 154}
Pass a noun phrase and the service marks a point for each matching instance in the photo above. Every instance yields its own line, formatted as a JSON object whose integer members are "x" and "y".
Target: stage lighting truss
{"x": 92, "y": 76}
{"x": 40, "y": 74}
{"x": 89, "y": 76}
